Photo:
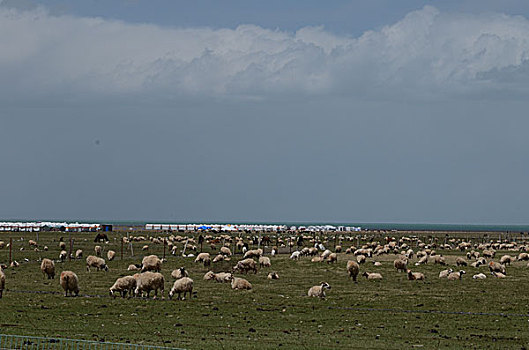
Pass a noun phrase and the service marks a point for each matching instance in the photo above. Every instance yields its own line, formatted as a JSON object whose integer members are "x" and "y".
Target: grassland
{"x": 392, "y": 313}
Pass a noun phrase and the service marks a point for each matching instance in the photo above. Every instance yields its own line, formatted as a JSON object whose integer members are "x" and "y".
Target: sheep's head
{"x": 325, "y": 285}
{"x": 105, "y": 267}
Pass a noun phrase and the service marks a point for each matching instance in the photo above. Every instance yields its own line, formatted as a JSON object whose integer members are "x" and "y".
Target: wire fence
{"x": 9, "y": 342}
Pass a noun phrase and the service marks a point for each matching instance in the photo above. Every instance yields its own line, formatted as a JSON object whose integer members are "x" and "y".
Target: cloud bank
{"x": 427, "y": 54}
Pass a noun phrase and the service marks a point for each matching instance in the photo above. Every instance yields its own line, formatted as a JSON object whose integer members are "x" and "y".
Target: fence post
{"x": 122, "y": 248}
{"x": 10, "y": 250}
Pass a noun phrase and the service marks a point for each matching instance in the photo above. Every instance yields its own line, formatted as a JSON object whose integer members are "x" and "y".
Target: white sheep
{"x": 273, "y": 276}
{"x": 246, "y": 265}
{"x": 179, "y": 273}
{"x": 479, "y": 276}
{"x": 182, "y": 285}
{"x": 111, "y": 255}
{"x": 151, "y": 263}
{"x": 445, "y": 273}
{"x": 98, "y": 263}
{"x": 496, "y": 267}
{"x": 498, "y": 274}
{"x": 253, "y": 253}
{"x": 332, "y": 258}
{"x": 240, "y": 283}
{"x": 225, "y": 251}
{"x": 48, "y": 268}
{"x": 147, "y": 281}
{"x": 203, "y": 258}
{"x": 63, "y": 255}
{"x": 372, "y": 275}
{"x": 133, "y": 267}
{"x": 416, "y": 276}
{"x": 264, "y": 261}
{"x": 78, "y": 253}
{"x": 98, "y": 250}
{"x": 353, "y": 268}
{"x": 456, "y": 275}
{"x": 318, "y": 291}
{"x": 325, "y": 254}
{"x": 295, "y": 255}
{"x": 69, "y": 282}
{"x": 123, "y": 285}
{"x": 400, "y": 264}
{"x": 218, "y": 258}
{"x": 422, "y": 260}
{"x": 361, "y": 259}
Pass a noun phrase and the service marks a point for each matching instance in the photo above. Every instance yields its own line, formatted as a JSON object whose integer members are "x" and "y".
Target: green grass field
{"x": 392, "y": 313}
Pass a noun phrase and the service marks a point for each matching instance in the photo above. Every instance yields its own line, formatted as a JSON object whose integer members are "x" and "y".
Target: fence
{"x": 38, "y": 343}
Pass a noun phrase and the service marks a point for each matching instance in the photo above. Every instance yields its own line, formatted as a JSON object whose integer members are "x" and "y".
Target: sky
{"x": 202, "y": 111}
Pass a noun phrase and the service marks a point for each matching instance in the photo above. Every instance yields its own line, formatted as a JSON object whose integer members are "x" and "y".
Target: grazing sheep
{"x": 32, "y": 243}
{"x": 353, "y": 269}
{"x": 174, "y": 250}
{"x": 45, "y": 248}
{"x": 147, "y": 281}
{"x": 439, "y": 259}
{"x": 209, "y": 275}
{"x": 203, "y": 258}
{"x": 479, "y": 276}
{"x": 317, "y": 259}
{"x": 62, "y": 245}
{"x": 461, "y": 262}
{"x": 48, "y": 268}
{"x": 445, "y": 273}
{"x": 98, "y": 263}
{"x": 133, "y": 267}
{"x": 151, "y": 263}
{"x": 240, "y": 283}
{"x": 415, "y": 276}
{"x": 63, "y": 255}
{"x": 325, "y": 254}
{"x": 422, "y": 260}
{"x": 225, "y": 251}
{"x": 372, "y": 275}
{"x": 179, "y": 273}
{"x": 220, "y": 277}
{"x": 111, "y": 255}
{"x": 253, "y": 253}
{"x": 14, "y": 263}
{"x": 273, "y": 276}
{"x": 338, "y": 249}
{"x": 123, "y": 285}
{"x": 264, "y": 261}
{"x": 456, "y": 275}
{"x": 2, "y": 281}
{"x": 361, "y": 259}
{"x": 78, "y": 253}
{"x": 318, "y": 291}
{"x": 69, "y": 282}
{"x": 332, "y": 258}
{"x": 182, "y": 285}
{"x": 489, "y": 253}
{"x": 496, "y": 267}
{"x": 98, "y": 250}
{"x": 145, "y": 247}
{"x": 246, "y": 265}
{"x": 506, "y": 260}
{"x": 218, "y": 258}
{"x": 523, "y": 256}
{"x": 2, "y": 244}
{"x": 295, "y": 255}
{"x": 377, "y": 263}
{"x": 401, "y": 265}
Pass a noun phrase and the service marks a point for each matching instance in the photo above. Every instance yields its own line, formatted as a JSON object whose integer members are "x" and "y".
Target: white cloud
{"x": 425, "y": 54}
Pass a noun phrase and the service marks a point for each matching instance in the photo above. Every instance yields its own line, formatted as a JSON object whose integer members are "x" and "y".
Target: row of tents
{"x": 248, "y": 227}
{"x": 49, "y": 226}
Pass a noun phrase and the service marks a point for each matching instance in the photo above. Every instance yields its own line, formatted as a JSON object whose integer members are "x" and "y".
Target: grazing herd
{"x": 148, "y": 275}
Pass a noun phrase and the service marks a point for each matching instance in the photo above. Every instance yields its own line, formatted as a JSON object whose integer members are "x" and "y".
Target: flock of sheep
{"x": 148, "y": 276}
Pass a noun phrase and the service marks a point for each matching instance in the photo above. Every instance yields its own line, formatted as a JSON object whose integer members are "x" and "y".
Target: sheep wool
{"x": 416, "y": 276}
{"x": 332, "y": 258}
{"x": 273, "y": 276}
{"x": 111, "y": 255}
{"x": 151, "y": 263}
{"x": 78, "y": 253}
{"x": 98, "y": 263}
{"x": 400, "y": 264}
{"x": 353, "y": 269}
{"x": 182, "y": 285}
{"x": 246, "y": 265}
{"x": 372, "y": 275}
{"x": 179, "y": 273}
{"x": 240, "y": 283}
{"x": 98, "y": 250}
{"x": 148, "y": 281}
{"x": 123, "y": 285}
{"x": 264, "y": 261}
{"x": 48, "y": 268}
{"x": 318, "y": 291}
{"x": 69, "y": 282}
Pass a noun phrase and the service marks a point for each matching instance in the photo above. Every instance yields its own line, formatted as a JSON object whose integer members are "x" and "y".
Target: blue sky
{"x": 379, "y": 111}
